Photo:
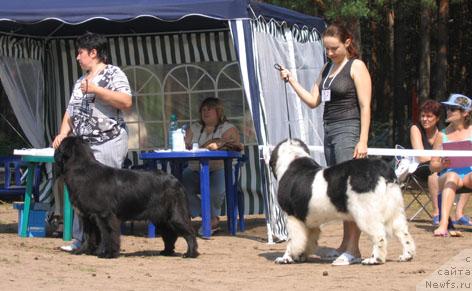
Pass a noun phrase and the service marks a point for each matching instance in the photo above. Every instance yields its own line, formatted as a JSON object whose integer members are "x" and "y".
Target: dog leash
{"x": 279, "y": 68}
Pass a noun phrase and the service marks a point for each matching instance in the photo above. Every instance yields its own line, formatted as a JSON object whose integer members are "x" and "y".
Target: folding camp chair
{"x": 414, "y": 180}
{"x": 417, "y": 187}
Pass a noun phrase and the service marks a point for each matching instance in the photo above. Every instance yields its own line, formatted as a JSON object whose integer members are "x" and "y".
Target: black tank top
{"x": 344, "y": 104}
{"x": 424, "y": 139}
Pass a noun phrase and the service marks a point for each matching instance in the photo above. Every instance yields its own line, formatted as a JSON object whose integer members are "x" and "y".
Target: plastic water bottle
{"x": 178, "y": 140}
{"x": 173, "y": 126}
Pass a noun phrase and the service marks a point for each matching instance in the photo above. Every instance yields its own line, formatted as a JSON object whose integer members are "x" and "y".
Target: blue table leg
{"x": 27, "y": 204}
{"x": 151, "y": 226}
{"x": 205, "y": 202}
{"x": 230, "y": 196}
{"x": 151, "y": 230}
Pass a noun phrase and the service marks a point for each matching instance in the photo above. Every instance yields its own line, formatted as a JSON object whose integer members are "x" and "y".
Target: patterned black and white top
{"x": 92, "y": 118}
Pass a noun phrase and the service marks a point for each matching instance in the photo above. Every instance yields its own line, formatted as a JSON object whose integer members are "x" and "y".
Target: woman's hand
{"x": 212, "y": 146}
{"x": 117, "y": 99}
{"x": 88, "y": 87}
{"x": 360, "y": 151}
{"x": 58, "y": 139}
{"x": 285, "y": 74}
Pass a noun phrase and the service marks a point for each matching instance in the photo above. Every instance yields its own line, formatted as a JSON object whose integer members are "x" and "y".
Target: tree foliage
{"x": 414, "y": 50}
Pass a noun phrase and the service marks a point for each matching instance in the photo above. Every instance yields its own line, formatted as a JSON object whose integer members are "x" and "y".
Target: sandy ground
{"x": 242, "y": 262}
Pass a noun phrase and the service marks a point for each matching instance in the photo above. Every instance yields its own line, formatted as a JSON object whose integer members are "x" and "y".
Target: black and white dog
{"x": 364, "y": 191}
{"x": 104, "y": 197}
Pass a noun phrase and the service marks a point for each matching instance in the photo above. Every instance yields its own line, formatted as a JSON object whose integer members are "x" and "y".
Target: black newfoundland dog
{"x": 364, "y": 191}
{"x": 104, "y": 197}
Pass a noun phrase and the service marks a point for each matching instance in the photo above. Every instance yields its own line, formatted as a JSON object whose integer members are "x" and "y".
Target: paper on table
{"x": 43, "y": 152}
{"x": 192, "y": 150}
{"x": 459, "y": 162}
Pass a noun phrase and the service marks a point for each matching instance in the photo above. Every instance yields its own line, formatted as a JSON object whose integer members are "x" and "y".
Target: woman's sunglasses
{"x": 453, "y": 108}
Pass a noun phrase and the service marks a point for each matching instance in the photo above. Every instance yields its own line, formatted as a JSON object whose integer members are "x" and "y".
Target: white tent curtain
{"x": 300, "y": 51}
{"x": 23, "y": 81}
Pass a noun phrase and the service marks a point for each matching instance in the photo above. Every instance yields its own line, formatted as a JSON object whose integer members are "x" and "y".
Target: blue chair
{"x": 15, "y": 172}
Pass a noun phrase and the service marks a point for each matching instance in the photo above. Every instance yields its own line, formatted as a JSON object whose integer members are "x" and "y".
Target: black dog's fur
{"x": 104, "y": 197}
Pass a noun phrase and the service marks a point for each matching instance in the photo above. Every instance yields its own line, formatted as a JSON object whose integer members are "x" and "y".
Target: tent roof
{"x": 68, "y": 18}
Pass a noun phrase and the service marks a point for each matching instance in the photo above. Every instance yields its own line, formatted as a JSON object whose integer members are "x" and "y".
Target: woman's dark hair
{"x": 90, "y": 41}
{"x": 339, "y": 31}
{"x": 431, "y": 106}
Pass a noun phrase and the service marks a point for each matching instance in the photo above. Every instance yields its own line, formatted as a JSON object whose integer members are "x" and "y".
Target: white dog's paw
{"x": 405, "y": 258}
{"x": 372, "y": 261}
{"x": 284, "y": 260}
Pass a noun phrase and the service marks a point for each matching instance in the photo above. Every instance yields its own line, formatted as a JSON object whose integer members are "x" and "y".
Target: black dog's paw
{"x": 167, "y": 252}
{"x": 108, "y": 255}
{"x": 100, "y": 250}
{"x": 192, "y": 254}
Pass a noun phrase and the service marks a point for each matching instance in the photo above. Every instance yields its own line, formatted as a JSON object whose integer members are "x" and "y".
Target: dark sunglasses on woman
{"x": 453, "y": 108}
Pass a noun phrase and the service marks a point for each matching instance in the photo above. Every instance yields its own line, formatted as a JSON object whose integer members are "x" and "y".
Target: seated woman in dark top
{"x": 422, "y": 136}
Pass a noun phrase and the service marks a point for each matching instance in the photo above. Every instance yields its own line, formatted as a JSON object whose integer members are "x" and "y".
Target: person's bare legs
{"x": 464, "y": 197}
{"x": 449, "y": 182}
{"x": 433, "y": 192}
{"x": 350, "y": 242}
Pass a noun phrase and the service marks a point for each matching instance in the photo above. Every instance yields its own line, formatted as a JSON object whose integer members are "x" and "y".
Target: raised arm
{"x": 116, "y": 99}
{"x": 312, "y": 99}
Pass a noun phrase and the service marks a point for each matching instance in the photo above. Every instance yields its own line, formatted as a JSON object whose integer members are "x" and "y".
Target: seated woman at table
{"x": 422, "y": 136}
{"x": 451, "y": 179}
{"x": 212, "y": 125}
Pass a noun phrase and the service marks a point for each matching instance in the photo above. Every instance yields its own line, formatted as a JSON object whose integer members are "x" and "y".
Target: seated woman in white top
{"x": 212, "y": 125}
{"x": 450, "y": 179}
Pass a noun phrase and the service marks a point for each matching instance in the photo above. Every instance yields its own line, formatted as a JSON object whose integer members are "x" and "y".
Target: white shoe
{"x": 346, "y": 259}
{"x": 70, "y": 248}
{"x": 327, "y": 254}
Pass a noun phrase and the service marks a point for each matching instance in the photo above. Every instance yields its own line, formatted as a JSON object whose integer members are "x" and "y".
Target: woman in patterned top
{"x": 94, "y": 110}
{"x": 213, "y": 128}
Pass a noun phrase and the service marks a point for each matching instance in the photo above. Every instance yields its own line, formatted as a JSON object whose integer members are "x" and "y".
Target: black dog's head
{"x": 69, "y": 150}
{"x": 284, "y": 153}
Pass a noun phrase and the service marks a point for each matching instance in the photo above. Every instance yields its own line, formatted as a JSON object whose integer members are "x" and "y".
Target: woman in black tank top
{"x": 422, "y": 137}
{"x": 345, "y": 87}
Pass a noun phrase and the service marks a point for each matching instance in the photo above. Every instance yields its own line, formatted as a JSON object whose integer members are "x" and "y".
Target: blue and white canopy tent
{"x": 175, "y": 53}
